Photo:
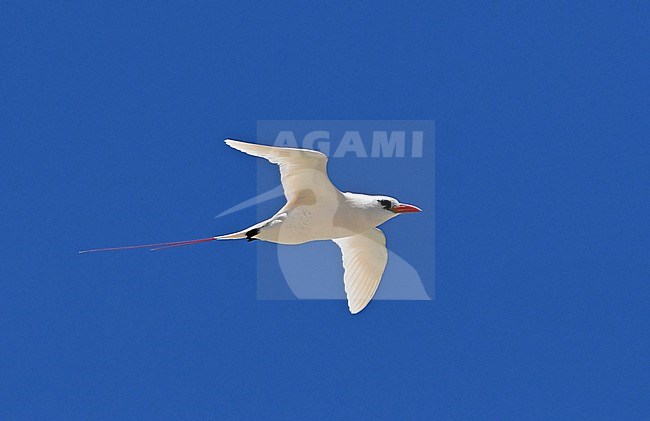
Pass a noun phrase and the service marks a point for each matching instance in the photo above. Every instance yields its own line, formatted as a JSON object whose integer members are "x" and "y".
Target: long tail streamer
{"x": 154, "y": 247}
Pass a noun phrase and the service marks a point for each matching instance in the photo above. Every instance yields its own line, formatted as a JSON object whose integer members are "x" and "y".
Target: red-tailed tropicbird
{"x": 316, "y": 210}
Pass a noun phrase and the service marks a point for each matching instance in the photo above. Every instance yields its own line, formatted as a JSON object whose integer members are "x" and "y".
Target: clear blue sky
{"x": 112, "y": 118}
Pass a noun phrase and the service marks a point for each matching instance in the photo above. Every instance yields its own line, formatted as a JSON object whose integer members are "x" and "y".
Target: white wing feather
{"x": 364, "y": 260}
{"x": 302, "y": 171}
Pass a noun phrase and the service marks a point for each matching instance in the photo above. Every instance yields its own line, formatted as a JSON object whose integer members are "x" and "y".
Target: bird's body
{"x": 317, "y": 210}
{"x": 304, "y": 221}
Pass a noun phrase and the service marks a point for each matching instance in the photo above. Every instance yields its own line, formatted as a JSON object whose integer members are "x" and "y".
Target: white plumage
{"x": 316, "y": 210}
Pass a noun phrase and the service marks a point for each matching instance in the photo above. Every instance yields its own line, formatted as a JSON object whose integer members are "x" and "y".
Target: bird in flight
{"x": 317, "y": 210}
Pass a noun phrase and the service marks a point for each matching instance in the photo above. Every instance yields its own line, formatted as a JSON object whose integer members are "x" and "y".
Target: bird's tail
{"x": 247, "y": 233}
{"x": 156, "y": 246}
{"x": 234, "y": 236}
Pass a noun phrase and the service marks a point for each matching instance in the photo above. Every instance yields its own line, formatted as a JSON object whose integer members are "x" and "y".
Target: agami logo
{"x": 385, "y": 144}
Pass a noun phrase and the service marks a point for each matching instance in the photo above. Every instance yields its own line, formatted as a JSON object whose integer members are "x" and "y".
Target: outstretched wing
{"x": 303, "y": 172}
{"x": 364, "y": 260}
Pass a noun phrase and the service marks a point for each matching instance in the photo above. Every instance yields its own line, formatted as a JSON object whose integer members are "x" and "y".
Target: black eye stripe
{"x": 386, "y": 204}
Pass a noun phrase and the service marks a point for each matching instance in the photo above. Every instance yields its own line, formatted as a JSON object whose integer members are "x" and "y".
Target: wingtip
{"x": 355, "y": 310}
{"x": 236, "y": 144}
{"x": 231, "y": 141}
{"x": 357, "y": 307}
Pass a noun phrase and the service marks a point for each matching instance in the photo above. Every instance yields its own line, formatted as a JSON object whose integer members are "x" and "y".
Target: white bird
{"x": 316, "y": 210}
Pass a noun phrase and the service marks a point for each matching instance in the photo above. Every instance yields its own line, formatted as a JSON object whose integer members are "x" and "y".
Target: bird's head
{"x": 383, "y": 208}
{"x": 378, "y": 209}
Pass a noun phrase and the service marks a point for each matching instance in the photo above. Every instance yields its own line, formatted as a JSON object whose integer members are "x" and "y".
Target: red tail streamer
{"x": 157, "y": 246}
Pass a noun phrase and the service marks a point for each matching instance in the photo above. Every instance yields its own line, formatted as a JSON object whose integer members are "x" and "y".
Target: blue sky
{"x": 112, "y": 117}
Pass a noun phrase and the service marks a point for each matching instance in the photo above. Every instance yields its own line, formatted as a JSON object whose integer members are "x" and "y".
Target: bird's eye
{"x": 385, "y": 203}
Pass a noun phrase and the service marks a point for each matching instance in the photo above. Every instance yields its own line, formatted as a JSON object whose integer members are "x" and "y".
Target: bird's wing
{"x": 364, "y": 261}
{"x": 303, "y": 172}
